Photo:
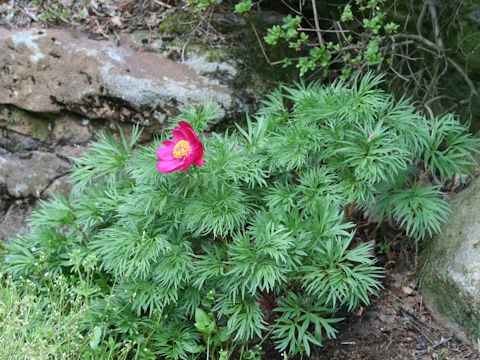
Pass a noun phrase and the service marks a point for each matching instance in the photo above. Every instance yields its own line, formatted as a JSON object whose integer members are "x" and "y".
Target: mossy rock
{"x": 35, "y": 126}
{"x": 451, "y": 266}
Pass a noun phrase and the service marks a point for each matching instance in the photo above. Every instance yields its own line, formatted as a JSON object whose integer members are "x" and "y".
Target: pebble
{"x": 407, "y": 290}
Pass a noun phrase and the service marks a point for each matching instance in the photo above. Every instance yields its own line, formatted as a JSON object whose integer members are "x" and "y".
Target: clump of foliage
{"x": 361, "y": 38}
{"x": 33, "y": 327}
{"x": 255, "y": 243}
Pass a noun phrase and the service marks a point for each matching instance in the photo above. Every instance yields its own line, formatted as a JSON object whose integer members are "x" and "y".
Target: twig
{"x": 162, "y": 4}
{"x": 440, "y": 97}
{"x": 317, "y": 24}
{"x": 406, "y": 56}
{"x": 436, "y": 27}
{"x": 429, "y": 110}
{"x": 342, "y": 33}
{"x": 291, "y": 8}
{"x": 420, "y": 19}
{"x": 29, "y": 14}
{"x": 376, "y": 228}
{"x": 398, "y": 74}
{"x": 442, "y": 341}
{"x": 425, "y": 41}
{"x": 261, "y": 45}
{"x": 325, "y": 31}
{"x": 183, "y": 50}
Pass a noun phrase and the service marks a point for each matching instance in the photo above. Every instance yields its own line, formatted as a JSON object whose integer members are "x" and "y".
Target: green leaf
{"x": 243, "y": 7}
{"x": 96, "y": 338}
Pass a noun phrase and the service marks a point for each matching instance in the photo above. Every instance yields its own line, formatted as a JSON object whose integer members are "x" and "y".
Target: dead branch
{"x": 317, "y": 24}
{"x": 425, "y": 41}
{"x": 436, "y": 26}
{"x": 420, "y": 19}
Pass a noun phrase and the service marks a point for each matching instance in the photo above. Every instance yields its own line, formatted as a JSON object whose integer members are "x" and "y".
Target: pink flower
{"x": 182, "y": 152}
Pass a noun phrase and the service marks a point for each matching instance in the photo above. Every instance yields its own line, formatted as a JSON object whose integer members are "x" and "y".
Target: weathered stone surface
{"x": 24, "y": 123}
{"x": 49, "y": 71}
{"x": 58, "y": 186}
{"x": 26, "y": 177}
{"x": 14, "y": 220}
{"x": 451, "y": 276}
{"x": 70, "y": 151}
{"x": 68, "y": 131}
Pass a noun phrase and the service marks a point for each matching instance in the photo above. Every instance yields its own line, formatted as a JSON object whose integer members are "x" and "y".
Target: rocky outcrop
{"x": 52, "y": 71}
{"x": 451, "y": 266}
{"x": 29, "y": 176}
{"x": 13, "y": 220}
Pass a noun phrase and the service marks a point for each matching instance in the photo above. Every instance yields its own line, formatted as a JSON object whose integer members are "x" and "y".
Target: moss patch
{"x": 178, "y": 24}
{"x": 35, "y": 126}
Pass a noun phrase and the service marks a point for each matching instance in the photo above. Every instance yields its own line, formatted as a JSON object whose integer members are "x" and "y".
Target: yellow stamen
{"x": 182, "y": 149}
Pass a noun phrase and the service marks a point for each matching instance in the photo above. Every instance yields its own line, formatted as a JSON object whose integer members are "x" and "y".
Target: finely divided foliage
{"x": 197, "y": 264}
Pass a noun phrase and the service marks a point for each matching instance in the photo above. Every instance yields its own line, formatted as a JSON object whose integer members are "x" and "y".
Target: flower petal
{"x": 165, "y": 153}
{"x": 186, "y": 163}
{"x": 191, "y": 137}
{"x": 179, "y": 133}
{"x": 168, "y": 162}
{"x": 169, "y": 165}
{"x": 197, "y": 155}
{"x": 199, "y": 162}
{"x": 185, "y": 125}
{"x": 186, "y": 132}
{"x": 169, "y": 143}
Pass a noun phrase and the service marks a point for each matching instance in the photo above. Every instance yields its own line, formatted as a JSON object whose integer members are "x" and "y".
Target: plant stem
{"x": 261, "y": 45}
{"x": 350, "y": 210}
{"x": 270, "y": 300}
{"x": 208, "y": 347}
{"x": 264, "y": 303}
{"x": 266, "y": 336}
{"x": 423, "y": 176}
{"x": 376, "y": 228}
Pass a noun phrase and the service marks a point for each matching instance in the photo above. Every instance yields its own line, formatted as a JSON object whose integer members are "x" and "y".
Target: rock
{"x": 58, "y": 186}
{"x": 59, "y": 86}
{"x": 14, "y": 220}
{"x": 451, "y": 278}
{"x": 25, "y": 123}
{"x": 14, "y": 142}
{"x": 29, "y": 177}
{"x": 68, "y": 131}
{"x": 407, "y": 290}
{"x": 51, "y": 71}
{"x": 70, "y": 151}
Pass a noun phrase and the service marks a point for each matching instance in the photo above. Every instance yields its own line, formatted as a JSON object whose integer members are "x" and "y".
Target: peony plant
{"x": 256, "y": 242}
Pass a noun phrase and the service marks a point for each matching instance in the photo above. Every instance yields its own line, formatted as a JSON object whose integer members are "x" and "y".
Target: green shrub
{"x": 254, "y": 243}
